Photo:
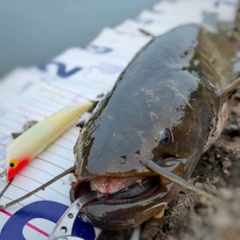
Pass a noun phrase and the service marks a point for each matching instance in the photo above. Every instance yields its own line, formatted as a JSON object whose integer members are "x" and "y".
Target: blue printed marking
{"x": 226, "y": 2}
{"x": 61, "y": 71}
{"x": 48, "y": 210}
{"x": 97, "y": 49}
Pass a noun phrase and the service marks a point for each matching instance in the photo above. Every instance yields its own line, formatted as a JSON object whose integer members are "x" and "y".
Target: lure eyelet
{"x": 165, "y": 137}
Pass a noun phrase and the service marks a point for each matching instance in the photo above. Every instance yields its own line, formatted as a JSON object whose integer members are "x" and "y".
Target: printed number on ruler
{"x": 61, "y": 71}
{"x": 62, "y": 68}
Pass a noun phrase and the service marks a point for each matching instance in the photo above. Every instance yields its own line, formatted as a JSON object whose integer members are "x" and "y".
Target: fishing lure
{"x": 145, "y": 138}
{"x": 28, "y": 145}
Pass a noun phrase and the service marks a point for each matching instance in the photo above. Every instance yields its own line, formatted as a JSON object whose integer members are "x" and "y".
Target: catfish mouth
{"x": 132, "y": 189}
{"x": 128, "y": 203}
{"x": 120, "y": 190}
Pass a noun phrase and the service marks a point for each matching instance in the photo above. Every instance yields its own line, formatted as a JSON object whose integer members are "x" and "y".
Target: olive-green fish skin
{"x": 171, "y": 84}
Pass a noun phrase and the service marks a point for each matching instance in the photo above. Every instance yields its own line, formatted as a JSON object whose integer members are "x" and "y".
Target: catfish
{"x": 146, "y": 136}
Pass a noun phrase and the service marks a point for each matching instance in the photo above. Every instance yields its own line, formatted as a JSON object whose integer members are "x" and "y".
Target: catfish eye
{"x": 165, "y": 137}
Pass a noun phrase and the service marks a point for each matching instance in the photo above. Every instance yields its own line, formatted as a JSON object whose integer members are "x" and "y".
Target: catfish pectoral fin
{"x": 176, "y": 179}
{"x": 160, "y": 213}
{"x": 226, "y": 92}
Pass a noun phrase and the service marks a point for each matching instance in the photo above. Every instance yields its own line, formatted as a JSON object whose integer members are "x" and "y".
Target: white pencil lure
{"x": 32, "y": 142}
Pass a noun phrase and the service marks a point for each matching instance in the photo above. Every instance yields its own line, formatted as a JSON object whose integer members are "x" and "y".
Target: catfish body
{"x": 167, "y": 106}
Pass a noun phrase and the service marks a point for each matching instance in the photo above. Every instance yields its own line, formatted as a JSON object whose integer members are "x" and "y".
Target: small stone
{"x": 222, "y": 182}
{"x": 221, "y": 219}
{"x": 225, "y": 149}
{"x": 226, "y": 163}
{"x": 225, "y": 193}
{"x": 211, "y": 159}
{"x": 215, "y": 180}
{"x": 227, "y": 172}
{"x": 211, "y": 188}
{"x": 212, "y": 60}
{"x": 204, "y": 158}
{"x": 205, "y": 211}
{"x": 208, "y": 167}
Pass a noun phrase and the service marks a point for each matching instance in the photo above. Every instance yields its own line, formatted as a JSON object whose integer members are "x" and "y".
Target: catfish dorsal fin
{"x": 226, "y": 92}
